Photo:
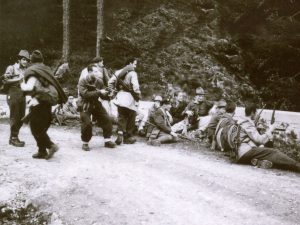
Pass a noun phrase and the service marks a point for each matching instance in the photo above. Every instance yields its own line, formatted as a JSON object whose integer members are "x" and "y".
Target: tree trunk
{"x": 99, "y": 25}
{"x": 66, "y": 31}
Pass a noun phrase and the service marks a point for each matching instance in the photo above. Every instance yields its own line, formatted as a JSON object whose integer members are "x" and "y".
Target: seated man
{"x": 67, "y": 112}
{"x": 195, "y": 113}
{"x": 178, "y": 107}
{"x": 160, "y": 127}
{"x": 62, "y": 72}
{"x": 223, "y": 109}
{"x": 142, "y": 119}
{"x": 250, "y": 152}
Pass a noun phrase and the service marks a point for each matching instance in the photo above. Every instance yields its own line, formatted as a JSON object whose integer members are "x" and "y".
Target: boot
{"x": 130, "y": 140}
{"x": 119, "y": 138}
{"x": 154, "y": 142}
{"x": 85, "y": 147}
{"x": 264, "y": 164}
{"x": 54, "y": 148}
{"x": 16, "y": 142}
{"x": 110, "y": 144}
{"x": 40, "y": 155}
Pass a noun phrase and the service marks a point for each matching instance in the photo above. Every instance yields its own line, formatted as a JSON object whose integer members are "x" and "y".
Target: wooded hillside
{"x": 242, "y": 48}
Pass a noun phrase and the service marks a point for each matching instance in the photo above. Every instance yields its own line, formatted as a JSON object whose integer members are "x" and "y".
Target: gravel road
{"x": 140, "y": 184}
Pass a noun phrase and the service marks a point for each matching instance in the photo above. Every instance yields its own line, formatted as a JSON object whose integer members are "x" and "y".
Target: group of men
{"x": 167, "y": 120}
{"x": 37, "y": 81}
{"x": 210, "y": 121}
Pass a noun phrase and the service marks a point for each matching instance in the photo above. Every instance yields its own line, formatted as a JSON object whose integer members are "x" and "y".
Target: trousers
{"x": 279, "y": 159}
{"x": 40, "y": 121}
{"x": 101, "y": 116}
{"x": 126, "y": 121}
{"x": 17, "y": 105}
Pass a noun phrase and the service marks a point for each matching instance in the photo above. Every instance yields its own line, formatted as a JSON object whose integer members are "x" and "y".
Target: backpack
{"x": 227, "y": 137}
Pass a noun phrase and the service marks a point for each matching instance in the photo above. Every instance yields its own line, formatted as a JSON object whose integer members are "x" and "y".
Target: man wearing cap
{"x": 90, "y": 90}
{"x": 127, "y": 98}
{"x": 102, "y": 72}
{"x": 198, "y": 108}
{"x": 45, "y": 90}
{"x": 13, "y": 76}
{"x": 143, "y": 125}
{"x": 161, "y": 131}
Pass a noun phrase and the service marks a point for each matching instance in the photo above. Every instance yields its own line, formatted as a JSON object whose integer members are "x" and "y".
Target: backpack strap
{"x": 237, "y": 143}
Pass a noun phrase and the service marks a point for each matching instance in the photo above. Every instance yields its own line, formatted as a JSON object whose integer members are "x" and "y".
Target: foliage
{"x": 224, "y": 46}
{"x": 284, "y": 139}
{"x": 268, "y": 33}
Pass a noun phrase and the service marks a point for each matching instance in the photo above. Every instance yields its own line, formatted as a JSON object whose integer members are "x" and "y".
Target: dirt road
{"x": 138, "y": 184}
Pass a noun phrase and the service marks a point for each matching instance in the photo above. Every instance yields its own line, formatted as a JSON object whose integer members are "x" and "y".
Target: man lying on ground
{"x": 251, "y": 150}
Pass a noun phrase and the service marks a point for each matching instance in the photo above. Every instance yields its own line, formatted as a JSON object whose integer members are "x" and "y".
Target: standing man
{"x": 45, "y": 90}
{"x": 127, "y": 84}
{"x": 90, "y": 90}
{"x": 101, "y": 72}
{"x": 13, "y": 77}
{"x": 102, "y": 76}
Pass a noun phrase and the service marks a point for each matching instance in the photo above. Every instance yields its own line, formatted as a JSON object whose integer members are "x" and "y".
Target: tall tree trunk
{"x": 66, "y": 30}
{"x": 99, "y": 25}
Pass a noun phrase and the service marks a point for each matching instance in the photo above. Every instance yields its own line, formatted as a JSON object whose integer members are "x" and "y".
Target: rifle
{"x": 273, "y": 116}
{"x": 258, "y": 115}
{"x": 126, "y": 87}
{"x": 179, "y": 135}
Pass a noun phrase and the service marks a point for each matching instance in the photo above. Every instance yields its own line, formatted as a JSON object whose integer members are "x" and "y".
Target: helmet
{"x": 166, "y": 101}
{"x": 200, "y": 91}
{"x": 24, "y": 54}
{"x": 221, "y": 104}
{"x": 158, "y": 98}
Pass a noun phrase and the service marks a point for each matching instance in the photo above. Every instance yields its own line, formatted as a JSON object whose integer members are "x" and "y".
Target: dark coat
{"x": 160, "y": 123}
{"x": 177, "y": 110}
{"x": 201, "y": 109}
{"x": 45, "y": 75}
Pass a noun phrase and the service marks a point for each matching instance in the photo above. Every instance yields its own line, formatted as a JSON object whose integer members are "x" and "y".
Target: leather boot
{"x": 54, "y": 148}
{"x": 85, "y": 147}
{"x": 40, "y": 155}
{"x": 16, "y": 142}
{"x": 130, "y": 140}
{"x": 109, "y": 144}
{"x": 119, "y": 138}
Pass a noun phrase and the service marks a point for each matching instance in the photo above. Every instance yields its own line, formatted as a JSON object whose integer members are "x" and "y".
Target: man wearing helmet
{"x": 13, "y": 76}
{"x": 198, "y": 108}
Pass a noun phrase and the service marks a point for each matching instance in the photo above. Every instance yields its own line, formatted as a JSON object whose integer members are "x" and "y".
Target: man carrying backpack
{"x": 250, "y": 152}
{"x": 223, "y": 110}
{"x": 127, "y": 84}
{"x": 45, "y": 91}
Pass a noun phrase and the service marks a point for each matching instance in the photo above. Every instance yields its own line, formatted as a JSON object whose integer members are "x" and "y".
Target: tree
{"x": 99, "y": 25}
{"x": 66, "y": 30}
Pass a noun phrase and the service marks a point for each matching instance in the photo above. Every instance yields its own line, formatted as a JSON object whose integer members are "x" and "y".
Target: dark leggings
{"x": 279, "y": 159}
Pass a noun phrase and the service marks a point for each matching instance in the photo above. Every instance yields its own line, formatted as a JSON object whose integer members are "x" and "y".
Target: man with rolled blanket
{"x": 45, "y": 90}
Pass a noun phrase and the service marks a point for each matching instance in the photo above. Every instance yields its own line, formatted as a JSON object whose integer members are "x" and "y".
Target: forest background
{"x": 239, "y": 49}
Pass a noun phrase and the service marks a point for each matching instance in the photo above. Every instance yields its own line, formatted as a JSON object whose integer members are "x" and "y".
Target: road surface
{"x": 140, "y": 184}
